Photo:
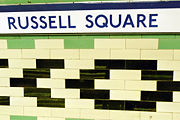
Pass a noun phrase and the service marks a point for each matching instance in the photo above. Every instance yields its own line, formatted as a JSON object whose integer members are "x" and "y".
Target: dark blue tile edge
{"x": 90, "y": 6}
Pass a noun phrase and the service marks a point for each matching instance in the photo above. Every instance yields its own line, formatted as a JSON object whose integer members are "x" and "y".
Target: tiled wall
{"x": 90, "y": 77}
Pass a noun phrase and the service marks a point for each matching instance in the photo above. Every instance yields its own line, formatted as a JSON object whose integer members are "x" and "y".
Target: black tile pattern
{"x": 157, "y": 75}
{"x": 126, "y": 64}
{"x": 51, "y": 102}
{"x": 94, "y": 74}
{"x": 23, "y": 82}
{"x": 36, "y": 73}
{"x": 168, "y": 85}
{"x": 3, "y": 63}
{"x": 37, "y": 92}
{"x": 76, "y": 83}
{"x": 156, "y": 96}
{"x": 94, "y": 94}
{"x": 50, "y": 63}
{"x": 4, "y": 100}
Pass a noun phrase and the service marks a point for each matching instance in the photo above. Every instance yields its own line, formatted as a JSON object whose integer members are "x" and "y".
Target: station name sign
{"x": 91, "y": 21}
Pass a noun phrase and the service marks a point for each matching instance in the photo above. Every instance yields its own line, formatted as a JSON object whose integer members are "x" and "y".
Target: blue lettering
{"x": 111, "y": 23}
{"x": 151, "y": 19}
{"x": 140, "y": 19}
{"x": 52, "y": 21}
{"x": 69, "y": 22}
{"x": 91, "y": 23}
{"x": 33, "y": 18}
{"x": 128, "y": 18}
{"x": 11, "y": 21}
{"x": 42, "y": 21}
{"x": 27, "y": 23}
{"x": 104, "y": 24}
{"x": 60, "y": 23}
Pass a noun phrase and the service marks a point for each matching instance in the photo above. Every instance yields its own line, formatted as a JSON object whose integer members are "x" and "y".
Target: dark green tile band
{"x": 14, "y": 117}
{"x": 169, "y": 44}
{"x": 21, "y": 44}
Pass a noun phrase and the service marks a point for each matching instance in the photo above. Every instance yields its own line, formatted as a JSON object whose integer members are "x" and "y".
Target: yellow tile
{"x": 176, "y": 96}
{"x": 176, "y": 54}
{"x": 168, "y": 65}
{"x": 49, "y": 43}
{"x": 79, "y": 103}
{"x": 10, "y": 53}
{"x": 142, "y": 43}
{"x": 167, "y": 107}
{"x": 109, "y": 43}
{"x": 70, "y": 54}
{"x": 109, "y": 84}
{"x": 89, "y": 54}
{"x": 4, "y": 117}
{"x": 3, "y": 44}
{"x": 23, "y": 101}
{"x": 15, "y": 73}
{"x": 157, "y": 54}
{"x": 65, "y": 73}
{"x": 79, "y": 64}
{"x": 4, "y": 91}
{"x": 125, "y": 115}
{"x": 125, "y": 95}
{"x": 5, "y": 110}
{"x": 65, "y": 93}
{"x": 16, "y": 91}
{"x": 72, "y": 113}
{"x": 125, "y": 74}
{"x": 16, "y": 110}
{"x": 36, "y": 53}
{"x": 176, "y": 116}
{"x": 141, "y": 85}
{"x": 4, "y": 82}
{"x": 50, "y": 83}
{"x": 58, "y": 112}
{"x": 156, "y": 116}
{"x": 125, "y": 54}
{"x": 22, "y": 63}
{"x": 95, "y": 114}
{"x": 176, "y": 75}
{"x": 37, "y": 111}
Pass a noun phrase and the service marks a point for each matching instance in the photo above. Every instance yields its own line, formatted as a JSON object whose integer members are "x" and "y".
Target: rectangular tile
{"x": 51, "y": 102}
{"x": 23, "y": 101}
{"x": 65, "y": 93}
{"x": 94, "y": 94}
{"x": 109, "y": 104}
{"x": 3, "y": 44}
{"x": 169, "y": 44}
{"x": 168, "y": 85}
{"x": 126, "y": 54}
{"x": 79, "y": 44}
{"x": 140, "y": 106}
{"x": 23, "y": 82}
{"x": 36, "y": 73}
{"x": 50, "y": 63}
{"x": 4, "y": 63}
{"x": 15, "y": 117}
{"x": 79, "y": 104}
{"x": 37, "y": 92}
{"x": 20, "y": 44}
{"x": 80, "y": 84}
{"x": 77, "y": 119}
{"x": 4, "y": 100}
{"x": 156, "y": 96}
{"x": 94, "y": 74}
{"x": 49, "y": 43}
{"x": 157, "y": 75}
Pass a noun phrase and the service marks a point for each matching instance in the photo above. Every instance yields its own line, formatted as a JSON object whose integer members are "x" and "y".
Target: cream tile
{"x": 22, "y": 63}
{"x": 3, "y": 44}
{"x": 65, "y": 73}
{"x": 72, "y": 113}
{"x": 176, "y": 76}
{"x": 49, "y": 43}
{"x": 125, "y": 54}
{"x": 79, "y": 103}
{"x": 4, "y": 91}
{"x": 157, "y": 54}
{"x": 4, "y": 82}
{"x": 176, "y": 54}
{"x": 5, "y": 110}
{"x": 176, "y": 96}
{"x": 70, "y": 54}
{"x": 109, "y": 43}
{"x": 23, "y": 101}
{"x": 36, "y": 53}
{"x": 10, "y": 53}
{"x": 167, "y": 107}
{"x": 58, "y": 112}
{"x": 109, "y": 84}
{"x": 16, "y": 91}
{"x": 156, "y": 116}
{"x": 141, "y": 85}
{"x": 95, "y": 114}
{"x": 79, "y": 64}
{"x": 168, "y": 65}
{"x": 89, "y": 54}
{"x": 37, "y": 111}
{"x": 50, "y": 83}
{"x": 16, "y": 110}
{"x": 125, "y": 74}
{"x": 176, "y": 116}
{"x": 6, "y": 72}
{"x": 125, "y": 115}
{"x": 4, "y": 117}
{"x": 142, "y": 43}
{"x": 125, "y": 95}
{"x": 65, "y": 93}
